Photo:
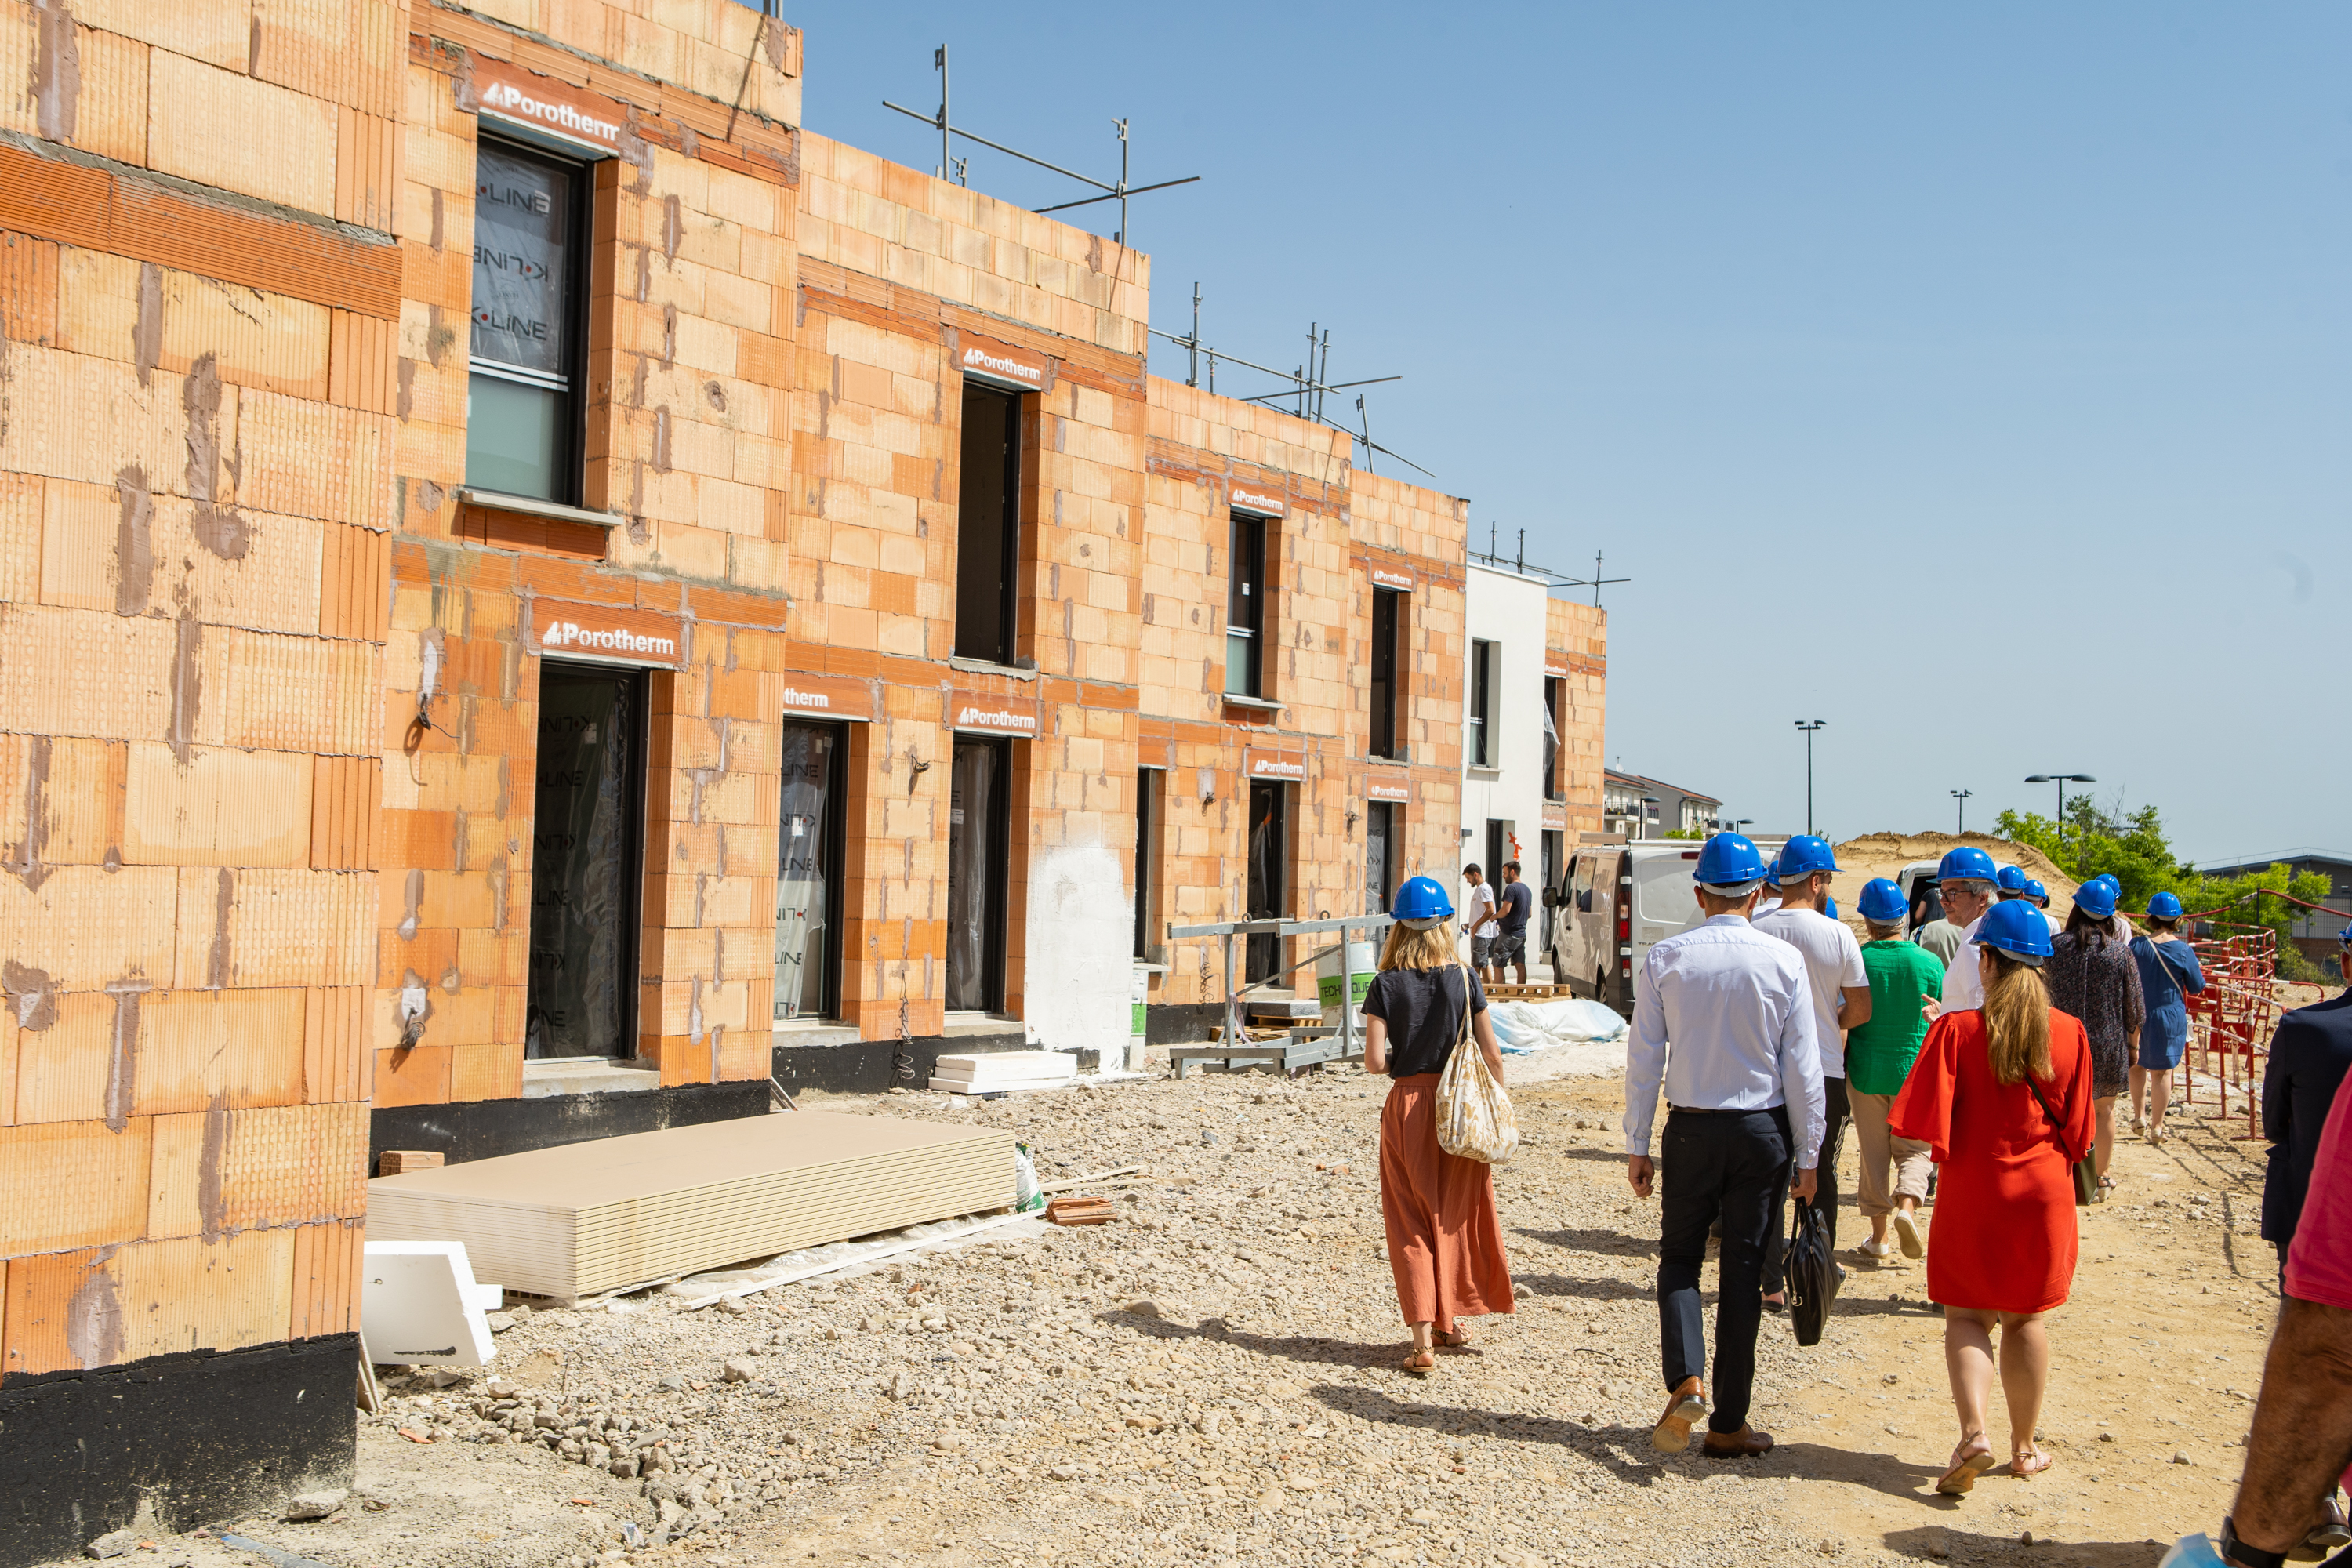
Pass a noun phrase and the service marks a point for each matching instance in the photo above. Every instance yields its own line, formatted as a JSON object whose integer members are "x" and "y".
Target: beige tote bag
{"x": 1474, "y": 1114}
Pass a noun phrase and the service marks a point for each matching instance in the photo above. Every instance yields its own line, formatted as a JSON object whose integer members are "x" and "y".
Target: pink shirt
{"x": 2319, "y": 1265}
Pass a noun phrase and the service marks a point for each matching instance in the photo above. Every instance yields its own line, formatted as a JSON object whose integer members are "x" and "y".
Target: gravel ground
{"x": 1213, "y": 1378}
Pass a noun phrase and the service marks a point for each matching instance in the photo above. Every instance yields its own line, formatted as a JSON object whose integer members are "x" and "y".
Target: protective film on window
{"x": 802, "y": 871}
{"x": 522, "y": 233}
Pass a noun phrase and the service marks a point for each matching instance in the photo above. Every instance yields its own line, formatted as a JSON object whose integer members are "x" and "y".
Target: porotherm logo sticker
{"x": 505, "y": 97}
{"x": 971, "y": 716}
{"x": 1260, "y": 502}
{"x": 797, "y": 698}
{"x": 1003, "y": 367}
{"x": 570, "y": 636}
{"x": 1384, "y": 578}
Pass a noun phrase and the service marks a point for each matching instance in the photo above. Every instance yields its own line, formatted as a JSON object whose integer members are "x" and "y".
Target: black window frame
{"x": 1146, "y": 809}
{"x": 1554, "y": 775}
{"x": 572, "y": 458}
{"x": 1389, "y": 607}
{"x": 1006, "y": 558}
{"x": 1245, "y": 590}
{"x": 1478, "y": 713}
{"x": 833, "y": 832}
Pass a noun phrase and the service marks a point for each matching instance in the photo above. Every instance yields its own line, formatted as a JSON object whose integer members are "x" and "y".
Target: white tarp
{"x": 1522, "y": 1028}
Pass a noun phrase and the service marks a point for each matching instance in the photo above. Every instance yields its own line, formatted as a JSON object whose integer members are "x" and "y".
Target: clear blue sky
{"x": 1975, "y": 379}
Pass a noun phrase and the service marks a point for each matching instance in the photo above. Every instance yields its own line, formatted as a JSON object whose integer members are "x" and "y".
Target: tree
{"x": 2133, "y": 849}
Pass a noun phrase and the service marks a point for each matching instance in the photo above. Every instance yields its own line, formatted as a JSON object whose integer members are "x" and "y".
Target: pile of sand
{"x": 1885, "y": 855}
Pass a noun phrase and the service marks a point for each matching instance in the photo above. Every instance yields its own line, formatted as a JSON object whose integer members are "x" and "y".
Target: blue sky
{"x": 1975, "y": 379}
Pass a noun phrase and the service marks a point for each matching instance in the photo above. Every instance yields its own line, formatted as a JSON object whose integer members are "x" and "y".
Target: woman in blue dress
{"x": 2168, "y": 975}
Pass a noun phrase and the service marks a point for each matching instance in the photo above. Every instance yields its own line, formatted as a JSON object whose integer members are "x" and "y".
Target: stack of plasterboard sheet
{"x": 989, "y": 1072}
{"x": 572, "y": 1221}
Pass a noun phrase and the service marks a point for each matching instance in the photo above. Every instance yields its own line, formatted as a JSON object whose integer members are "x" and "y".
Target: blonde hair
{"x": 1883, "y": 931}
{"x": 1409, "y": 949}
{"x": 2017, "y": 1021}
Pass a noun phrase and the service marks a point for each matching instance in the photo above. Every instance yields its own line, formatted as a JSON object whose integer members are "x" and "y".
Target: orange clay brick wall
{"x": 690, "y": 335}
{"x": 898, "y": 272}
{"x": 1576, "y": 648}
{"x": 1318, "y": 621}
{"x": 1427, "y": 531}
{"x": 196, "y": 441}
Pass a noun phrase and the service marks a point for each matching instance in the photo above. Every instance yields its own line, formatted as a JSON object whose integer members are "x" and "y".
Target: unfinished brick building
{"x": 535, "y": 596}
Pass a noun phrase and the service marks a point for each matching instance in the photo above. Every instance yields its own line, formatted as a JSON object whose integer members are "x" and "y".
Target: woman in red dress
{"x": 2004, "y": 1245}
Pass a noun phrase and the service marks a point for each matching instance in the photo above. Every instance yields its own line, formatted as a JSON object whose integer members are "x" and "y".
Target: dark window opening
{"x": 1144, "y": 880}
{"x": 1380, "y": 855}
{"x": 1551, "y": 772}
{"x": 524, "y": 412}
{"x": 809, "y": 845}
{"x": 1270, "y": 860}
{"x": 1479, "y": 720}
{"x": 1498, "y": 850}
{"x": 1246, "y": 609}
{"x": 1385, "y": 619}
{"x": 988, "y": 532}
{"x": 586, "y": 867}
{"x": 980, "y": 793}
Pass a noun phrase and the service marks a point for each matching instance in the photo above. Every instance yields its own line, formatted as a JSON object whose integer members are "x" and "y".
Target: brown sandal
{"x": 1421, "y": 1363}
{"x": 1965, "y": 1467}
{"x": 1454, "y": 1339}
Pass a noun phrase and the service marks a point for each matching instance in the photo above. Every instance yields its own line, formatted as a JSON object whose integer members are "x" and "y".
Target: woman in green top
{"x": 1878, "y": 1056}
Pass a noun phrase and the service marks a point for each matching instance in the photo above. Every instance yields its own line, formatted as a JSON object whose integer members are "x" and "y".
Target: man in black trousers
{"x": 1743, "y": 1086}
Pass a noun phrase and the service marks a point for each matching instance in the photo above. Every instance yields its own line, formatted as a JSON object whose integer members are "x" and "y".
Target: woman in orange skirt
{"x": 2002, "y": 1096}
{"x": 1444, "y": 1244}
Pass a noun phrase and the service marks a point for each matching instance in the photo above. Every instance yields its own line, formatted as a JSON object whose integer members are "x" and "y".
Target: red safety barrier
{"x": 2232, "y": 1021}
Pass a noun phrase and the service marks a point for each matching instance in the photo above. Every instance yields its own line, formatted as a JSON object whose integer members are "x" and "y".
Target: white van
{"x": 1613, "y": 901}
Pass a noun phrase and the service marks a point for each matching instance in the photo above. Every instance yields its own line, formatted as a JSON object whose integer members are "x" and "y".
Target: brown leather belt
{"x": 1695, "y": 1111}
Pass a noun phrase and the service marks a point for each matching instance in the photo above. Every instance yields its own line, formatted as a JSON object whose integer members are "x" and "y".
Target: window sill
{"x": 549, "y": 1076}
{"x": 530, "y": 506}
{"x": 985, "y": 667}
{"x": 1479, "y": 772}
{"x": 1260, "y": 703}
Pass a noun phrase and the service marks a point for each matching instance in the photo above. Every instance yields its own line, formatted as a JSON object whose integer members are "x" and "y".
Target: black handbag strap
{"x": 2056, "y": 1127}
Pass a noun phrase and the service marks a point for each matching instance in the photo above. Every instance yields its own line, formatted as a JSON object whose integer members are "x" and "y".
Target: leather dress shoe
{"x": 1744, "y": 1444}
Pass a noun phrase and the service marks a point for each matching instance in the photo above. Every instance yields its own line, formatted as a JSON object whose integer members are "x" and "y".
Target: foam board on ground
{"x": 1007, "y": 1069}
{"x": 572, "y": 1221}
{"x": 419, "y": 1304}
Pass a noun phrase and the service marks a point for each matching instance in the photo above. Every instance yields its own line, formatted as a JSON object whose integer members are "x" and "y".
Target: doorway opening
{"x": 1380, "y": 855}
{"x": 1269, "y": 861}
{"x": 587, "y": 860}
{"x": 980, "y": 798}
{"x": 809, "y": 845}
{"x": 1555, "y": 851}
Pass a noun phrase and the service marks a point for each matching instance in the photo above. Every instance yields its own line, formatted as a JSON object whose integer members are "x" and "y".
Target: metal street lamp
{"x": 2062, "y": 781}
{"x": 1962, "y": 797}
{"x": 1809, "y": 727}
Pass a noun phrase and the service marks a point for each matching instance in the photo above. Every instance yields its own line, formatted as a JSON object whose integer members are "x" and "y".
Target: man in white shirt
{"x": 1965, "y": 879}
{"x": 1743, "y": 1086}
{"x": 1479, "y": 919}
{"x": 1841, "y": 998}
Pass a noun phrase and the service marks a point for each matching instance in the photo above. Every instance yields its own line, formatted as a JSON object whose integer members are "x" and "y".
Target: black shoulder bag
{"x": 2086, "y": 1168}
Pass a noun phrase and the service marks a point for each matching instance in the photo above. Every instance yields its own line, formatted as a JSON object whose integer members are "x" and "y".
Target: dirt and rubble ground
{"x": 1214, "y": 1379}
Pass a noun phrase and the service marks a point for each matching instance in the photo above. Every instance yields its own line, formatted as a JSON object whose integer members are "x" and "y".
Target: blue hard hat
{"x": 1804, "y": 855}
{"x": 1421, "y": 903}
{"x": 2097, "y": 898}
{"x": 2016, "y": 929}
{"x": 1730, "y": 860}
{"x": 1829, "y": 908}
{"x": 2344, "y": 938}
{"x": 2163, "y": 907}
{"x": 1966, "y": 864}
{"x": 2038, "y": 893}
{"x": 2009, "y": 879}
{"x": 1772, "y": 872}
{"x": 1881, "y": 901}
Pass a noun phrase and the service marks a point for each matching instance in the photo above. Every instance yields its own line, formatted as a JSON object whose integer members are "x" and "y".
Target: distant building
{"x": 2314, "y": 933}
{"x": 1641, "y": 807}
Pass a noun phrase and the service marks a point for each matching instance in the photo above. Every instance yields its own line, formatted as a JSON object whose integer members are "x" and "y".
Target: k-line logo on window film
{"x": 508, "y": 99}
{"x": 615, "y": 640}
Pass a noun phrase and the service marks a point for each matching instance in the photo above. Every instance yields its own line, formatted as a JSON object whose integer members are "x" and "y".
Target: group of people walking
{"x": 1976, "y": 1056}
